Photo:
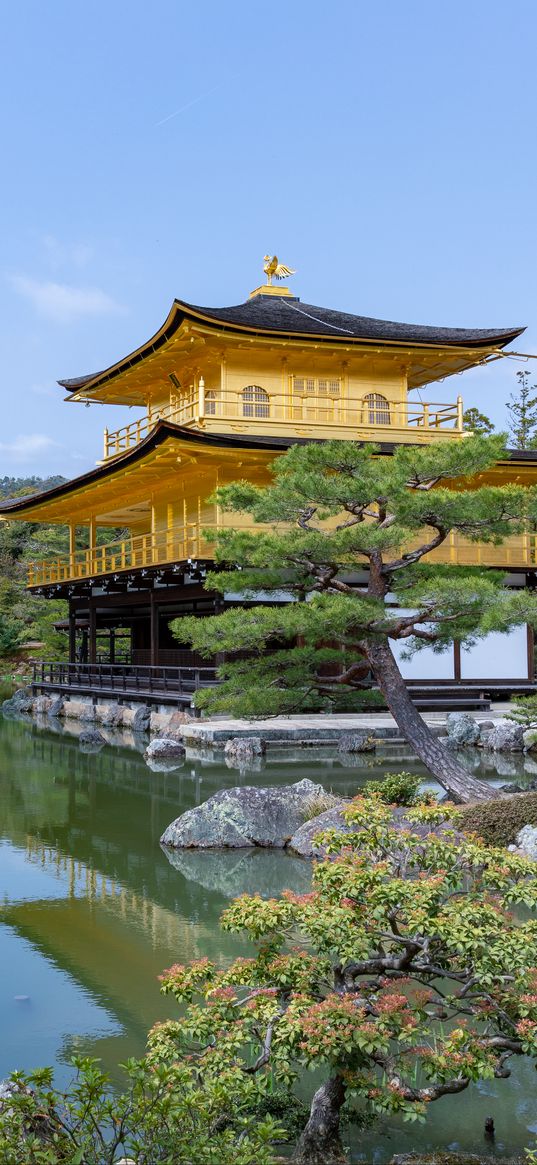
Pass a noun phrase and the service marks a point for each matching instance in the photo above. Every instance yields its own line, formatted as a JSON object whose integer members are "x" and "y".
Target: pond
{"x": 91, "y": 910}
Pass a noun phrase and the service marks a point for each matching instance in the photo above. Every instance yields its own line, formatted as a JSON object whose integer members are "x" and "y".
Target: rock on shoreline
{"x": 248, "y": 816}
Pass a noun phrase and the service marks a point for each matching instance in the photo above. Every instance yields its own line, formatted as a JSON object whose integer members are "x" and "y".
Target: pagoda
{"x": 220, "y": 392}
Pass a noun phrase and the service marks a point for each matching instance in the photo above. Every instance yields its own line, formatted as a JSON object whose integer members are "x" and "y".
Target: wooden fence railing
{"x": 126, "y": 679}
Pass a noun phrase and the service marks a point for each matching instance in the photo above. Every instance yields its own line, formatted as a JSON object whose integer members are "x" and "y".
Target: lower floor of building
{"x": 121, "y": 643}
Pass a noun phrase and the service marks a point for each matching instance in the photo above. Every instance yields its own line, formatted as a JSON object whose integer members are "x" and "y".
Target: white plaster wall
{"x": 426, "y": 665}
{"x": 498, "y": 657}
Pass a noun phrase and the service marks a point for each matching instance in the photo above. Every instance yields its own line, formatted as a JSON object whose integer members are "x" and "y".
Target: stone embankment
{"x": 135, "y": 716}
{"x": 244, "y": 743}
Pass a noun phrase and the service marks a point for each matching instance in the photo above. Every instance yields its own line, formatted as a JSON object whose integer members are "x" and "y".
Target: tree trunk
{"x": 320, "y": 1142}
{"x": 436, "y": 758}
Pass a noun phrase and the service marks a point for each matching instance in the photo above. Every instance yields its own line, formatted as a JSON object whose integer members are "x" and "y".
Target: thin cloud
{"x": 44, "y": 390}
{"x": 60, "y": 254}
{"x": 63, "y": 303}
{"x": 189, "y": 104}
{"x": 26, "y": 446}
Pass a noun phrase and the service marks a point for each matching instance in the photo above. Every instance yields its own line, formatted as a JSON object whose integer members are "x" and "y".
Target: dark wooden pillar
{"x": 72, "y": 633}
{"x": 457, "y": 660}
{"x": 92, "y": 646}
{"x": 112, "y": 645}
{"x": 154, "y": 631}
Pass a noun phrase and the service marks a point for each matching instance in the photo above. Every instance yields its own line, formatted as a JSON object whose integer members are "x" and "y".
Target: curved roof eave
{"x": 260, "y": 318}
{"x": 164, "y": 430}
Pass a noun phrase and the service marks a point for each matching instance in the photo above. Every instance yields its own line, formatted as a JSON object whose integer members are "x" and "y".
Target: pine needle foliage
{"x": 343, "y": 535}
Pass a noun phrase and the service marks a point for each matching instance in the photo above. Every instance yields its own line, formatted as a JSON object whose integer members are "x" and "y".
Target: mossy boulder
{"x": 506, "y": 736}
{"x": 462, "y": 729}
{"x": 249, "y": 815}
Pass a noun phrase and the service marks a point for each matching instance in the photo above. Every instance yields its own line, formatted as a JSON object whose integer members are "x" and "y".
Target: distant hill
{"x": 11, "y": 486}
{"x": 25, "y": 617}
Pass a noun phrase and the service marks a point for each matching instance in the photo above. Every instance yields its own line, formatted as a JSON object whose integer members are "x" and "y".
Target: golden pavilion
{"x": 223, "y": 391}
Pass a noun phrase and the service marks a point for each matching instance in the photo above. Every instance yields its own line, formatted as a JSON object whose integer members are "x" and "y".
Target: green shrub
{"x": 499, "y": 821}
{"x": 167, "y": 1115}
{"x": 396, "y": 789}
{"x": 524, "y": 711}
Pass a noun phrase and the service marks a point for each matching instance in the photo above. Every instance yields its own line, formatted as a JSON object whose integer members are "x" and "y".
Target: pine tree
{"x": 346, "y": 536}
{"x": 523, "y": 413}
{"x": 477, "y": 422}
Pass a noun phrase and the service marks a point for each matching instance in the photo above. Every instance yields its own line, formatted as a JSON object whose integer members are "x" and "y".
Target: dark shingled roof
{"x": 287, "y": 316}
{"x": 283, "y": 314}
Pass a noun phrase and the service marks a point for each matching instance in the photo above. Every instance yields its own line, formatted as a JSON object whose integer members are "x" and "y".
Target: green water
{"x": 91, "y": 910}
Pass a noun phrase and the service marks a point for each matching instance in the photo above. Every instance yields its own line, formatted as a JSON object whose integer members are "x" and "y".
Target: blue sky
{"x": 387, "y": 151}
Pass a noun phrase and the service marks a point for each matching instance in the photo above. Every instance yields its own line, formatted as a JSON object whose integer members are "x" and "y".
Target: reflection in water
{"x": 91, "y": 908}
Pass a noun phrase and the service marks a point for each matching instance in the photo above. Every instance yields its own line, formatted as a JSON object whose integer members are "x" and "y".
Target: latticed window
{"x": 211, "y": 398}
{"x": 255, "y": 401}
{"x": 316, "y": 385}
{"x": 376, "y": 409}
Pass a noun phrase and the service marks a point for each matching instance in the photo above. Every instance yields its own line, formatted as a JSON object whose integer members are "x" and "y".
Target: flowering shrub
{"x": 403, "y": 973}
{"x": 406, "y": 974}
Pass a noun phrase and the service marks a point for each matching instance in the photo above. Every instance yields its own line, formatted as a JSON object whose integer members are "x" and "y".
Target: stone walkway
{"x": 316, "y": 729}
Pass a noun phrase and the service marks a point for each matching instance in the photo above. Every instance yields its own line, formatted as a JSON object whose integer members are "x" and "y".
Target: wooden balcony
{"x": 288, "y": 414}
{"x": 184, "y": 543}
{"x": 174, "y": 685}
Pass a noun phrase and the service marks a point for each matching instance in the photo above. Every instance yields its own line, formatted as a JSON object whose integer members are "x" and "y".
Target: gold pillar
{"x": 72, "y": 548}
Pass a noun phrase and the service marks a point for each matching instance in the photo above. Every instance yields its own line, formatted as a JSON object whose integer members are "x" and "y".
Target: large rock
{"x": 302, "y": 842}
{"x": 56, "y": 707}
{"x": 240, "y": 751}
{"x": 164, "y": 748}
{"x": 355, "y": 742}
{"x": 176, "y": 723}
{"x": 21, "y": 701}
{"x": 526, "y": 840}
{"x": 109, "y": 715}
{"x": 241, "y": 817}
{"x": 141, "y": 719}
{"x": 506, "y": 736}
{"x": 462, "y": 729}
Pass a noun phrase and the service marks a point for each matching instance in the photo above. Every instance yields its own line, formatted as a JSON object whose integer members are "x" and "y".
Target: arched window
{"x": 211, "y": 398}
{"x": 376, "y": 409}
{"x": 255, "y": 401}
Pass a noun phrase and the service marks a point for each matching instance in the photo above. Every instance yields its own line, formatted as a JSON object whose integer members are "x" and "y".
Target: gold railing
{"x": 177, "y": 544}
{"x": 129, "y": 436}
{"x": 205, "y": 407}
{"x": 180, "y": 543}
